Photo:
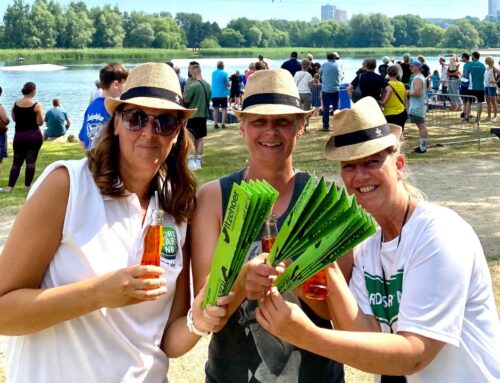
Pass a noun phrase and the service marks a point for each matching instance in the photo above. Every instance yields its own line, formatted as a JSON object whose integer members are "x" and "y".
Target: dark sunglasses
{"x": 136, "y": 120}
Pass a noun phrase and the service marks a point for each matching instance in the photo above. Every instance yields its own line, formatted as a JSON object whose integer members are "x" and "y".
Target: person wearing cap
{"x": 75, "y": 298}
{"x": 417, "y": 108}
{"x": 405, "y": 66}
{"x": 420, "y": 302}
{"x": 271, "y": 122}
{"x": 382, "y": 68}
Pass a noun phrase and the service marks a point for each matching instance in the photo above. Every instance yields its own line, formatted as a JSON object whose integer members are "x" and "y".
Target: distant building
{"x": 331, "y": 12}
{"x": 327, "y": 12}
{"x": 493, "y": 9}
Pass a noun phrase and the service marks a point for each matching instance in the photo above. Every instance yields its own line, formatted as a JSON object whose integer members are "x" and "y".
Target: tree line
{"x": 47, "y": 24}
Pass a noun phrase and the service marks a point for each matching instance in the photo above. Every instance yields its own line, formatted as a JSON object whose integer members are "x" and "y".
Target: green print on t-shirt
{"x": 385, "y": 307}
{"x": 169, "y": 250}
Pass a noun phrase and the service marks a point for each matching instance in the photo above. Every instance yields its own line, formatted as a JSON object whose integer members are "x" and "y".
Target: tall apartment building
{"x": 327, "y": 12}
{"x": 331, "y": 12}
{"x": 493, "y": 9}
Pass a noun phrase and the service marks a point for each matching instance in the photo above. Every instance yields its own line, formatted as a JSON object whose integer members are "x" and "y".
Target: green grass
{"x": 225, "y": 151}
{"x": 150, "y": 54}
{"x": 50, "y": 152}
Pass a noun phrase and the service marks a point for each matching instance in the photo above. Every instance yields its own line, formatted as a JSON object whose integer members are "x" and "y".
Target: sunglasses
{"x": 135, "y": 120}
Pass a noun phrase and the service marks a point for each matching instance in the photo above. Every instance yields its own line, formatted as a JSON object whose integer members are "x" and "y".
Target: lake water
{"x": 73, "y": 85}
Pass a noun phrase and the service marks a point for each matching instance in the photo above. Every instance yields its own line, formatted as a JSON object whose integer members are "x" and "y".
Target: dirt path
{"x": 468, "y": 186}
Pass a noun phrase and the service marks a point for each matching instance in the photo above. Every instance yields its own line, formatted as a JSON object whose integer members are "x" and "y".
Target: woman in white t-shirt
{"x": 74, "y": 297}
{"x": 303, "y": 80}
{"x": 490, "y": 88}
{"x": 420, "y": 305}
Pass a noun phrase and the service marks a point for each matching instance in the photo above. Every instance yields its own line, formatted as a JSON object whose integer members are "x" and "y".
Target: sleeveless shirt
{"x": 100, "y": 234}
{"x": 25, "y": 118}
{"x": 243, "y": 352}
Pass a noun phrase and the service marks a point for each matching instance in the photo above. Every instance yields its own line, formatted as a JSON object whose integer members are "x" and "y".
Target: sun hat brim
{"x": 148, "y": 102}
{"x": 362, "y": 149}
{"x": 271, "y": 110}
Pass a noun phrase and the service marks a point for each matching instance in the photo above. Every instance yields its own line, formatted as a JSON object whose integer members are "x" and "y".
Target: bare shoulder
{"x": 209, "y": 200}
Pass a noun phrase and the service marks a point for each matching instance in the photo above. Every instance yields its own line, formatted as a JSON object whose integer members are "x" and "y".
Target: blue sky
{"x": 222, "y": 11}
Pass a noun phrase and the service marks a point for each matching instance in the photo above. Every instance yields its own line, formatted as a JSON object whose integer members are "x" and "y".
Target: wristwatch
{"x": 191, "y": 327}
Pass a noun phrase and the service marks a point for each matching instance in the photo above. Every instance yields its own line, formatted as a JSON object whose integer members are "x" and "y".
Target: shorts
{"x": 479, "y": 94}
{"x": 234, "y": 93}
{"x": 417, "y": 119}
{"x": 490, "y": 91}
{"x": 305, "y": 101}
{"x": 219, "y": 102}
{"x": 197, "y": 126}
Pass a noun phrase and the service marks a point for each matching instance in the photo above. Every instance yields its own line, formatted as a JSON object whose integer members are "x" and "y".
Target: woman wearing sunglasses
{"x": 74, "y": 296}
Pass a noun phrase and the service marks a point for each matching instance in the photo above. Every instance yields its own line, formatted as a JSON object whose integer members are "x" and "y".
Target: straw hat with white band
{"x": 360, "y": 132}
{"x": 271, "y": 92}
{"x": 152, "y": 85}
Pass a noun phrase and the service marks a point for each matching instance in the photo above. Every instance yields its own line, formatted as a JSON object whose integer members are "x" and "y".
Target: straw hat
{"x": 152, "y": 85}
{"x": 360, "y": 132}
{"x": 271, "y": 92}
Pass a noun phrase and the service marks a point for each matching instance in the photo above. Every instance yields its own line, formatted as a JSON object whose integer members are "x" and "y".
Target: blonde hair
{"x": 489, "y": 61}
{"x": 407, "y": 178}
{"x": 453, "y": 65}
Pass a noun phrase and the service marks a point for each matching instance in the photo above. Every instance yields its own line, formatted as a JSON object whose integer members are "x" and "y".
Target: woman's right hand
{"x": 128, "y": 286}
{"x": 260, "y": 276}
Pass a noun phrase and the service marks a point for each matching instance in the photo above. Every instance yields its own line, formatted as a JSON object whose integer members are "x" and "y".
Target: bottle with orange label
{"x": 153, "y": 240}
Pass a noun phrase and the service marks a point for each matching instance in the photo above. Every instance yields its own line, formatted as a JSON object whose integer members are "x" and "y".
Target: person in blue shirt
{"x": 474, "y": 70}
{"x": 57, "y": 121}
{"x": 112, "y": 77}
{"x": 220, "y": 85}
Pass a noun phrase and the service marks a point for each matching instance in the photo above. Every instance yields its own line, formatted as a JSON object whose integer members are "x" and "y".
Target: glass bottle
{"x": 270, "y": 233}
{"x": 153, "y": 240}
{"x": 315, "y": 287}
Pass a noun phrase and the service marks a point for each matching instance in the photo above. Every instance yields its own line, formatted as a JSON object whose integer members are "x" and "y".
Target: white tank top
{"x": 100, "y": 234}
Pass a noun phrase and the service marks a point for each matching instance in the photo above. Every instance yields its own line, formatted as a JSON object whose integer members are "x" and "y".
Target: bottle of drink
{"x": 153, "y": 241}
{"x": 315, "y": 287}
{"x": 270, "y": 233}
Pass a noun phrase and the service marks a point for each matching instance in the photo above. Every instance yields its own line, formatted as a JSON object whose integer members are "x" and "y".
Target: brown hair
{"x": 28, "y": 88}
{"x": 111, "y": 72}
{"x": 175, "y": 183}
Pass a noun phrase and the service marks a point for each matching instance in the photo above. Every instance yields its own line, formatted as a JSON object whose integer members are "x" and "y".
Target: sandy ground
{"x": 468, "y": 186}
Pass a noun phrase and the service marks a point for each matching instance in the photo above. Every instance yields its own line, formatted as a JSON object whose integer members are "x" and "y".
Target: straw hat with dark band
{"x": 271, "y": 92}
{"x": 360, "y": 132}
{"x": 152, "y": 85}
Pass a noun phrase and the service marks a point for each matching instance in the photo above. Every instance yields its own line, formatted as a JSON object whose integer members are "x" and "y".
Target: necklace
{"x": 402, "y": 225}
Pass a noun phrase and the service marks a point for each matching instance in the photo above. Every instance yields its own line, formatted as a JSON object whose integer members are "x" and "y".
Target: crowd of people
{"x": 412, "y": 303}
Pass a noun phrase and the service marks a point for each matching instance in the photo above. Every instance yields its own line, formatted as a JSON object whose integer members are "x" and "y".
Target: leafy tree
{"x": 231, "y": 38}
{"x": 381, "y": 31}
{"x": 192, "y": 25}
{"x": 242, "y": 25}
{"x": 461, "y": 35}
{"x": 322, "y": 34}
{"x": 109, "y": 31}
{"x": 56, "y": 11}
{"x": 132, "y": 22}
{"x": 17, "y": 24}
{"x": 209, "y": 42}
{"x": 44, "y": 32}
{"x": 430, "y": 35}
{"x": 489, "y": 33}
{"x": 406, "y": 29}
{"x": 79, "y": 29}
{"x": 254, "y": 35}
{"x": 360, "y": 30}
{"x": 168, "y": 34}
{"x": 142, "y": 36}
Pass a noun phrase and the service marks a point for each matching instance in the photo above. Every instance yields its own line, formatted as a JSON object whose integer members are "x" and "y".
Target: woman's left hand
{"x": 283, "y": 319}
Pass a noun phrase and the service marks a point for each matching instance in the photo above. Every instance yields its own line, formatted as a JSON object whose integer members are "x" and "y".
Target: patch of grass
{"x": 50, "y": 152}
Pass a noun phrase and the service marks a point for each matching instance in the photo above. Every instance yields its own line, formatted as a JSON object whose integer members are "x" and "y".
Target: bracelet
{"x": 191, "y": 327}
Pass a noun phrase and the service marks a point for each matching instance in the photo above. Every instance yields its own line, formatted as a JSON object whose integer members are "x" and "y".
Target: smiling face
{"x": 271, "y": 139}
{"x": 374, "y": 180}
{"x": 143, "y": 150}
